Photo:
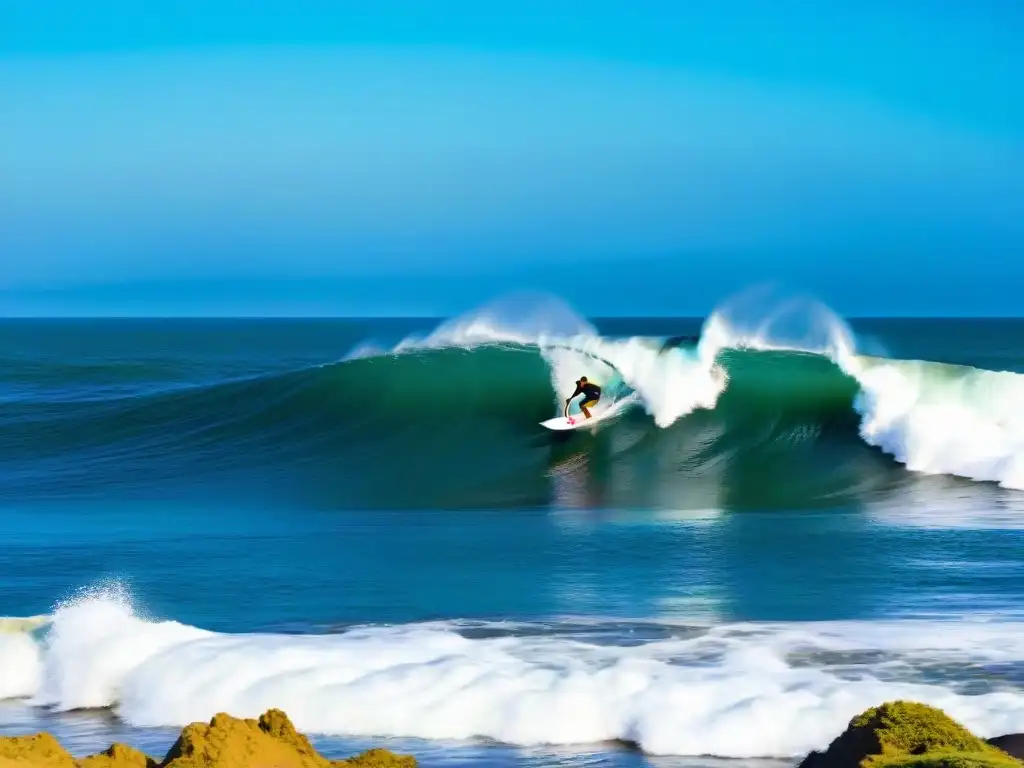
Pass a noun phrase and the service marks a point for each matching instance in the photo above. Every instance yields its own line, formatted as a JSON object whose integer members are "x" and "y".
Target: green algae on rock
{"x": 224, "y": 742}
{"x": 904, "y": 734}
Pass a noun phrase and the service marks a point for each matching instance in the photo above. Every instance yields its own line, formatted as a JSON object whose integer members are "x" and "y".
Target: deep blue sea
{"x": 363, "y": 523}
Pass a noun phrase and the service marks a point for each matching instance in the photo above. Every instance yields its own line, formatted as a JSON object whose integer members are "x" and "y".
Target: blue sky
{"x": 410, "y": 157}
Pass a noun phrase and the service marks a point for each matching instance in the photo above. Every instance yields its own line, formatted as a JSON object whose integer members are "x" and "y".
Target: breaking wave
{"x": 769, "y": 385}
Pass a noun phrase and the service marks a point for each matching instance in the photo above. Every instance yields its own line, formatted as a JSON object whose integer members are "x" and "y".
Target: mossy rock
{"x": 904, "y": 734}
{"x": 949, "y": 760}
{"x": 377, "y": 758}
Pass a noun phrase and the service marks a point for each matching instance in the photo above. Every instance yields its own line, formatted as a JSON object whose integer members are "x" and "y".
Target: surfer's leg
{"x": 588, "y": 404}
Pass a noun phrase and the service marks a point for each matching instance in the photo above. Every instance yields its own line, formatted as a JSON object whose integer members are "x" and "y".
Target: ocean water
{"x": 793, "y": 517}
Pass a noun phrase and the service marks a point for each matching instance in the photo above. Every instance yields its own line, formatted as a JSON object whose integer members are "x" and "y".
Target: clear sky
{"x": 402, "y": 156}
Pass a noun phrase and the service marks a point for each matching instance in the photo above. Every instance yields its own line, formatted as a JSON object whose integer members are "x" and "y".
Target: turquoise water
{"x": 232, "y": 515}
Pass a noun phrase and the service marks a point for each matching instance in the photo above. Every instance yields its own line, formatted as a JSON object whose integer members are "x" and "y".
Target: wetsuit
{"x": 591, "y": 394}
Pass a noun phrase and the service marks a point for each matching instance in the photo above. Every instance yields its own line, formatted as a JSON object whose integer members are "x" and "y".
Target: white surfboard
{"x": 577, "y": 420}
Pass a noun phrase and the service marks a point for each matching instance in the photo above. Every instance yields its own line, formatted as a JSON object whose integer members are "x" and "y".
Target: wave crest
{"x": 944, "y": 419}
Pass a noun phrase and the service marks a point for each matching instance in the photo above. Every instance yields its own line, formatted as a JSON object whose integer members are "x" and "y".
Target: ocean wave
{"x": 733, "y": 690}
{"x": 461, "y": 406}
{"x": 669, "y": 383}
{"x": 931, "y": 417}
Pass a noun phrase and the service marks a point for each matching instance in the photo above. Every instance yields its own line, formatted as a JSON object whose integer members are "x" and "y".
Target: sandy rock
{"x": 227, "y": 742}
{"x": 905, "y": 734}
{"x": 118, "y": 756}
{"x": 224, "y": 742}
{"x": 40, "y": 749}
{"x": 270, "y": 742}
{"x": 377, "y": 758}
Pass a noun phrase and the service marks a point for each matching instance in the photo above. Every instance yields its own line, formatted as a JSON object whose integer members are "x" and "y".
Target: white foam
{"x": 732, "y": 691}
{"x": 943, "y": 419}
{"x": 21, "y": 665}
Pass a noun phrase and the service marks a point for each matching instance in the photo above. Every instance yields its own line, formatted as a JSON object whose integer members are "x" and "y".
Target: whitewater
{"x": 733, "y": 690}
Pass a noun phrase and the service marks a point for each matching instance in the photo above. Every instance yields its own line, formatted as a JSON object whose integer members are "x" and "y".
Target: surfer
{"x": 591, "y": 394}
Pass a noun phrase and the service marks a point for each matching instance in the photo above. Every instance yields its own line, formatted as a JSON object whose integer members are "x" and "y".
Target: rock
{"x": 40, "y": 750}
{"x": 118, "y": 756}
{"x": 904, "y": 734}
{"x": 224, "y": 742}
{"x": 228, "y": 742}
{"x": 377, "y": 758}
{"x": 1012, "y": 744}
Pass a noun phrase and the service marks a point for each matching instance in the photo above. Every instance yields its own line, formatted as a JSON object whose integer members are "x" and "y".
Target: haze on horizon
{"x": 420, "y": 158}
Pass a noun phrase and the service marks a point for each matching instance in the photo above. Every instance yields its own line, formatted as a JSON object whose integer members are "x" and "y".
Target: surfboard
{"x": 577, "y": 420}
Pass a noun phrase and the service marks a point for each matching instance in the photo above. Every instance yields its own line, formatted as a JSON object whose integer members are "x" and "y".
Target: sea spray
{"x": 767, "y": 318}
{"x": 96, "y": 640}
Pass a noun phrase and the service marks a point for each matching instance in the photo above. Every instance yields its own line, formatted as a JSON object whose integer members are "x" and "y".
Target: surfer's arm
{"x": 570, "y": 397}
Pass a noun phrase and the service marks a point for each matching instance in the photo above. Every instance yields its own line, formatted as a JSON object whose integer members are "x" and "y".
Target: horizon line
{"x": 441, "y": 318}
